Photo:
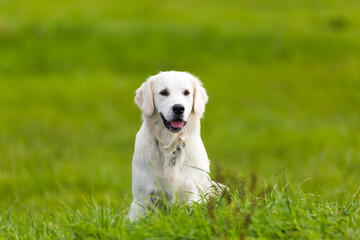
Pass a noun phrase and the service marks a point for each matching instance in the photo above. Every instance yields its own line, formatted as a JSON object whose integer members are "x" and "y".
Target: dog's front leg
{"x": 140, "y": 207}
{"x": 136, "y": 211}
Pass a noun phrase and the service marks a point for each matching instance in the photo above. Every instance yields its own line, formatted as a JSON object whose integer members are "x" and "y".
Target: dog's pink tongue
{"x": 177, "y": 124}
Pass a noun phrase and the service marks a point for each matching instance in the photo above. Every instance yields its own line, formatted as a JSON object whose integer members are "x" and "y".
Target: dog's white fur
{"x": 166, "y": 163}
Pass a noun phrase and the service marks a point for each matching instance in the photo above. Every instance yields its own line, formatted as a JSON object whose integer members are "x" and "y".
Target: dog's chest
{"x": 170, "y": 164}
{"x": 177, "y": 155}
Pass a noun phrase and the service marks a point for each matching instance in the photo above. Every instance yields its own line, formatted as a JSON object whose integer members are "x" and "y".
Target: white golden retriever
{"x": 169, "y": 159}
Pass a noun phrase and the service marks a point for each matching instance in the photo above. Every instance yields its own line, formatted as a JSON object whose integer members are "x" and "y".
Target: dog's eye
{"x": 186, "y": 92}
{"x": 164, "y": 92}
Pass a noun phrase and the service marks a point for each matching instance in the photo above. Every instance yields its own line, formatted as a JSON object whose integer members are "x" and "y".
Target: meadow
{"x": 283, "y": 81}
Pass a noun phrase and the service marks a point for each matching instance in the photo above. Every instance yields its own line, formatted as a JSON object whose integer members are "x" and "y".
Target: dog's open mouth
{"x": 174, "y": 125}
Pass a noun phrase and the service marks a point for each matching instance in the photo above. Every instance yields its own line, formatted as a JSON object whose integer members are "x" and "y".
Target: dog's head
{"x": 172, "y": 97}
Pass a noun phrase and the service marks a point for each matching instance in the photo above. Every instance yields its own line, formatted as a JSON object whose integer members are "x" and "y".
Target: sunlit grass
{"x": 243, "y": 212}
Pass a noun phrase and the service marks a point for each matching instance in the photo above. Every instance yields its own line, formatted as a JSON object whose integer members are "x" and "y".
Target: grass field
{"x": 283, "y": 80}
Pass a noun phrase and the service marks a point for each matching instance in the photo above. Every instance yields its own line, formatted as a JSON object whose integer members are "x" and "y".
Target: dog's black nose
{"x": 178, "y": 109}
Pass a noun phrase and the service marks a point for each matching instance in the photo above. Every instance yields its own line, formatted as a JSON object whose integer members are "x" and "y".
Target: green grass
{"x": 283, "y": 79}
{"x": 275, "y": 212}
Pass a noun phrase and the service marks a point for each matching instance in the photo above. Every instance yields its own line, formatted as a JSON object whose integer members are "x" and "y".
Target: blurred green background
{"x": 282, "y": 76}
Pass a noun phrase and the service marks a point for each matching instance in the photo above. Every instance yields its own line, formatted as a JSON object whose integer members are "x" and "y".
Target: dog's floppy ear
{"x": 200, "y": 97}
{"x": 144, "y": 98}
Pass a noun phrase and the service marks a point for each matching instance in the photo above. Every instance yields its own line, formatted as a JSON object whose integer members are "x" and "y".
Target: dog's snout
{"x": 178, "y": 109}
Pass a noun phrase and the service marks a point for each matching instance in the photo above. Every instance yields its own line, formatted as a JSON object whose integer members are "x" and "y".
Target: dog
{"x": 170, "y": 159}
